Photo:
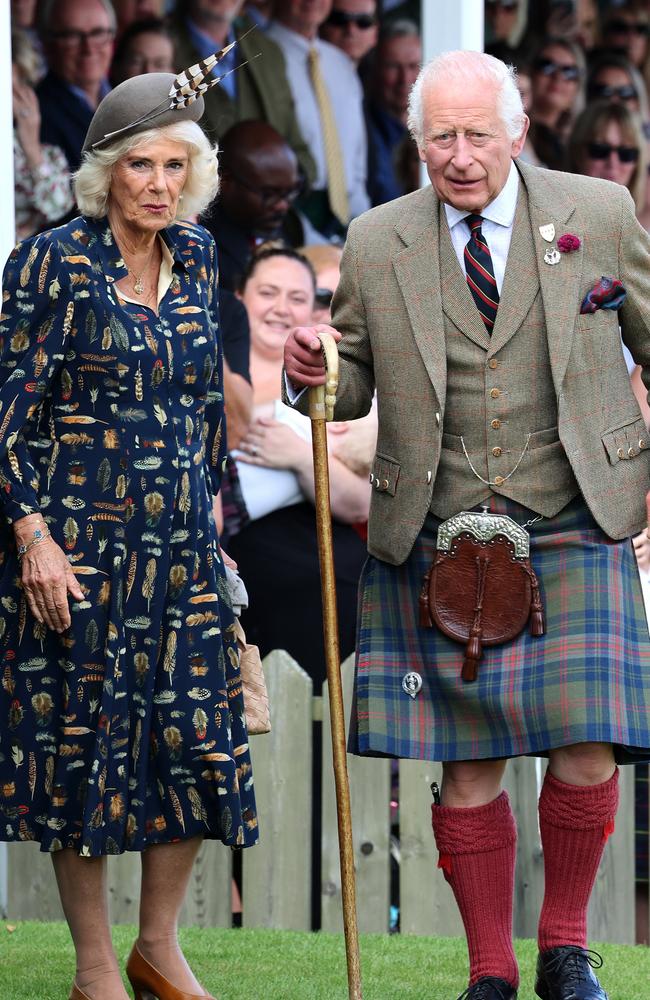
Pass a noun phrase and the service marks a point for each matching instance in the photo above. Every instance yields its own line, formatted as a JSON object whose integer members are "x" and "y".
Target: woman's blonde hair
{"x": 92, "y": 182}
{"x": 591, "y": 125}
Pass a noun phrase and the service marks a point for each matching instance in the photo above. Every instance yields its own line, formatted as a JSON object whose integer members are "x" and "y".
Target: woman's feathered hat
{"x": 154, "y": 98}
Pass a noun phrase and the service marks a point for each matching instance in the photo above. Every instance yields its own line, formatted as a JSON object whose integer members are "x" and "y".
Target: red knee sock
{"x": 575, "y": 822}
{"x": 477, "y": 855}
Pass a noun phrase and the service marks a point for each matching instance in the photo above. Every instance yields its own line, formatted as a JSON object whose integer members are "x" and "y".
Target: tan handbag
{"x": 256, "y": 698}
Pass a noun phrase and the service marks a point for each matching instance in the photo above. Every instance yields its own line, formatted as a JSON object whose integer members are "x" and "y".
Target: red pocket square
{"x": 608, "y": 293}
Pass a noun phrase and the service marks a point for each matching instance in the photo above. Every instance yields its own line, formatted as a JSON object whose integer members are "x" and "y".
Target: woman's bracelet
{"x": 39, "y": 536}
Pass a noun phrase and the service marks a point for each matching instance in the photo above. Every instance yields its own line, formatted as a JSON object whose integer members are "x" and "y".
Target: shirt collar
{"x": 205, "y": 45}
{"x": 501, "y": 210}
{"x": 295, "y": 38}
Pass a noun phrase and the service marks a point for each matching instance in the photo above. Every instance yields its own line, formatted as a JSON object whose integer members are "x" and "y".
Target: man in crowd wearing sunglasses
{"x": 352, "y": 26}
{"x": 484, "y": 310}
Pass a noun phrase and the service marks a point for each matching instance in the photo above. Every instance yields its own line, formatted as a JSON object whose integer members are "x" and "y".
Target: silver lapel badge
{"x": 552, "y": 256}
{"x": 547, "y": 232}
{"x": 412, "y": 683}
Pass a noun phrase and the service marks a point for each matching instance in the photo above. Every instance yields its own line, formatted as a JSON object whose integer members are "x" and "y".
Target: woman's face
{"x": 147, "y": 183}
{"x": 611, "y": 156}
{"x": 628, "y": 30}
{"x": 614, "y": 84}
{"x": 556, "y": 76}
{"x": 278, "y": 296}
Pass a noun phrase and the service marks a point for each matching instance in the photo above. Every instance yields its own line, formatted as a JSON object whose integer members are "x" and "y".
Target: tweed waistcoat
{"x": 499, "y": 389}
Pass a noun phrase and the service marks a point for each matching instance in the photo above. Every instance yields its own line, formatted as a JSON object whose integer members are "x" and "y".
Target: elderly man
{"x": 259, "y": 90}
{"x": 78, "y": 41}
{"x": 393, "y": 69}
{"x": 329, "y": 104}
{"x": 501, "y": 384}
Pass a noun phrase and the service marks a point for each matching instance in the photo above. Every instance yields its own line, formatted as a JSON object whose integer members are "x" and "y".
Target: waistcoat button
{"x": 495, "y": 424}
{"x": 499, "y": 480}
{"x": 495, "y": 393}
{"x": 496, "y": 452}
{"x": 493, "y": 363}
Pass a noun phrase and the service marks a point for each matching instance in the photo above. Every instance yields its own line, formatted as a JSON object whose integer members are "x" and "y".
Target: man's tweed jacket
{"x": 388, "y": 307}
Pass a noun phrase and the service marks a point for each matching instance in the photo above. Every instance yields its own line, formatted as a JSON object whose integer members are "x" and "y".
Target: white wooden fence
{"x": 277, "y": 873}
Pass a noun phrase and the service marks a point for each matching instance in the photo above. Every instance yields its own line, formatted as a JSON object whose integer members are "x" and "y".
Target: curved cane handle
{"x": 322, "y": 398}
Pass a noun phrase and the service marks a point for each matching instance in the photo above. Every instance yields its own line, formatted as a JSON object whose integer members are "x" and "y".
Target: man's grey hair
{"x": 47, "y": 8}
{"x": 92, "y": 182}
{"x": 473, "y": 70}
{"x": 400, "y": 28}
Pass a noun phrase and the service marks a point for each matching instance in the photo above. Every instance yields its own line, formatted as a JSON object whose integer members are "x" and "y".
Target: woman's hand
{"x": 47, "y": 579}
{"x": 275, "y": 445}
{"x": 642, "y": 550}
{"x": 27, "y": 119}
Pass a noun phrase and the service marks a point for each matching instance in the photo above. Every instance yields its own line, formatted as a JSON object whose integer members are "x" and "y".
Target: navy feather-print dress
{"x": 128, "y": 729}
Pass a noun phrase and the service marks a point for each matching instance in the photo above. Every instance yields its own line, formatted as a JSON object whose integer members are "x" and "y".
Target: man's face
{"x": 352, "y": 26}
{"x": 466, "y": 148}
{"x": 304, "y": 16}
{"x": 259, "y": 192}
{"x": 399, "y": 61}
{"x": 213, "y": 11}
{"x": 80, "y": 43}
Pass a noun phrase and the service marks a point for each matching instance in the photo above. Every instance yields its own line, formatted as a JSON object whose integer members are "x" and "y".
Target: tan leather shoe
{"x": 149, "y": 984}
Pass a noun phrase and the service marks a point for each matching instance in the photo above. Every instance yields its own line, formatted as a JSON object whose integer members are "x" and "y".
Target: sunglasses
{"x": 504, "y": 4}
{"x": 341, "y": 19}
{"x": 603, "y": 150}
{"x": 549, "y": 68}
{"x": 323, "y": 297}
{"x": 625, "y": 93}
{"x": 629, "y": 28}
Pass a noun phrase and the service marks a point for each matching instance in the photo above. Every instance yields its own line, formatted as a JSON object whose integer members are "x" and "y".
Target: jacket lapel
{"x": 560, "y": 283}
{"x": 521, "y": 281}
{"x": 417, "y": 269}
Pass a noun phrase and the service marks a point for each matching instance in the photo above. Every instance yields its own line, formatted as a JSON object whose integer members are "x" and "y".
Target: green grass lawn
{"x": 36, "y": 963}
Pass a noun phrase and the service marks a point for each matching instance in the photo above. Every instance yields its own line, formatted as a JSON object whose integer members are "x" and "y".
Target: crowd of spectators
{"x": 310, "y": 116}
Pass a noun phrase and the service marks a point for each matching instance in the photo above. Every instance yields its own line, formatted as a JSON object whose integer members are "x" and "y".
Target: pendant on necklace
{"x": 138, "y": 286}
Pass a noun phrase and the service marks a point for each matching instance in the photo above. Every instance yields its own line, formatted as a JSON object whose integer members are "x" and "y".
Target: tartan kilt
{"x": 586, "y": 679}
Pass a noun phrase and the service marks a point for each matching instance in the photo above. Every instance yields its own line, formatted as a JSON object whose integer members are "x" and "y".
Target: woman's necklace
{"x": 138, "y": 282}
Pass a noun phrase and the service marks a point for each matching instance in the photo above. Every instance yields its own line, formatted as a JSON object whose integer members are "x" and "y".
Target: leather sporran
{"x": 481, "y": 589}
{"x": 256, "y": 698}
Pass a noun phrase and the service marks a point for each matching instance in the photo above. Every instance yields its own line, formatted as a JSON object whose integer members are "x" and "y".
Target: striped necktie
{"x": 480, "y": 273}
{"x": 336, "y": 183}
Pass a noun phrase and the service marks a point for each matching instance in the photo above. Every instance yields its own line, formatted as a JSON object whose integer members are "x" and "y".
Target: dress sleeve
{"x": 51, "y": 192}
{"x": 216, "y": 449}
{"x": 34, "y": 327}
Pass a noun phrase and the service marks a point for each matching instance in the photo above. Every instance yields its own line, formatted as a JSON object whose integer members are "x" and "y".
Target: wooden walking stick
{"x": 321, "y": 409}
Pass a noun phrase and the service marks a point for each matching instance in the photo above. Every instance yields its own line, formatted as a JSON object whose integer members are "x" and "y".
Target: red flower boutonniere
{"x": 568, "y": 243}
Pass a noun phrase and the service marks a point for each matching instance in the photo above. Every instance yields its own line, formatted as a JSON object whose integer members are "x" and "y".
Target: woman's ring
{"x": 24, "y": 114}
{"x": 253, "y": 450}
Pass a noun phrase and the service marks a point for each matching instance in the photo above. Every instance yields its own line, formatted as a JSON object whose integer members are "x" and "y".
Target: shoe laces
{"x": 572, "y": 961}
{"x": 486, "y": 989}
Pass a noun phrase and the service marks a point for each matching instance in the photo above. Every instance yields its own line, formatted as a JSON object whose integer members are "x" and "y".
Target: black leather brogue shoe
{"x": 566, "y": 973}
{"x": 490, "y": 988}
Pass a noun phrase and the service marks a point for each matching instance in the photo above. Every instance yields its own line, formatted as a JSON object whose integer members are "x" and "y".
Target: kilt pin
{"x": 524, "y": 407}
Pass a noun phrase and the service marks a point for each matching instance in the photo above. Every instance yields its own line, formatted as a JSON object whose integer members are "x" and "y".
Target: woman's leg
{"x": 166, "y": 870}
{"x": 82, "y": 888}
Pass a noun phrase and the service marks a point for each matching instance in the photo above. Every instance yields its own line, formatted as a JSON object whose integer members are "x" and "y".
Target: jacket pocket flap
{"x": 626, "y": 441}
{"x": 384, "y": 475}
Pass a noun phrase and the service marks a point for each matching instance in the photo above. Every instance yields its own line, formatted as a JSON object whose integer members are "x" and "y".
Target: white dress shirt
{"x": 498, "y": 216}
{"x": 346, "y": 97}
